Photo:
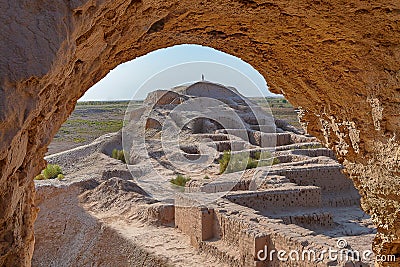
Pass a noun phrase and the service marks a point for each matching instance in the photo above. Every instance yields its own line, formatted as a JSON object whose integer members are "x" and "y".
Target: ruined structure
{"x": 338, "y": 62}
{"x": 292, "y": 197}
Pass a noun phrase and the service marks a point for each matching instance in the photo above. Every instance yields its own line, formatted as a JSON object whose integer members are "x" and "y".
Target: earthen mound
{"x": 115, "y": 192}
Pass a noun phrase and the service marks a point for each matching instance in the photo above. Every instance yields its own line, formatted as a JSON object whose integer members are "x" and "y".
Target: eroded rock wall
{"x": 337, "y": 60}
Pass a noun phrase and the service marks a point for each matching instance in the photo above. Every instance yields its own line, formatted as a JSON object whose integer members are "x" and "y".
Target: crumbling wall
{"x": 271, "y": 199}
{"x": 269, "y": 139}
{"x": 195, "y": 221}
{"x": 239, "y": 234}
{"x": 328, "y": 177}
{"x": 316, "y": 152}
{"x": 310, "y": 221}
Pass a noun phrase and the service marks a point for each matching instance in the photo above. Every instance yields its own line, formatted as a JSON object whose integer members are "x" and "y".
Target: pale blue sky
{"x": 124, "y": 82}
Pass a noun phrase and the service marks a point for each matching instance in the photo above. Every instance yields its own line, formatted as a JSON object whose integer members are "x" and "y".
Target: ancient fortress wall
{"x": 76, "y": 154}
{"x": 238, "y": 234}
{"x": 270, "y": 199}
{"x": 328, "y": 178}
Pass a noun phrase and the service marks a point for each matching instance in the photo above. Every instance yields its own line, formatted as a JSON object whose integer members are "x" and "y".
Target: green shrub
{"x": 262, "y": 155}
{"x": 52, "y": 171}
{"x": 39, "y": 177}
{"x": 317, "y": 146}
{"x": 265, "y": 158}
{"x": 224, "y": 161}
{"x": 206, "y": 177}
{"x": 180, "y": 180}
{"x": 60, "y": 176}
{"x": 251, "y": 163}
{"x": 236, "y": 162}
{"x": 79, "y": 140}
{"x": 268, "y": 162}
{"x": 118, "y": 154}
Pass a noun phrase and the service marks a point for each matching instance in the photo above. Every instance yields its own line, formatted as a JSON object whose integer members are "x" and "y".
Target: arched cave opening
{"x": 338, "y": 63}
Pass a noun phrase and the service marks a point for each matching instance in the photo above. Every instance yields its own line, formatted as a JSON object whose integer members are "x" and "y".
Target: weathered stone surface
{"x": 338, "y": 61}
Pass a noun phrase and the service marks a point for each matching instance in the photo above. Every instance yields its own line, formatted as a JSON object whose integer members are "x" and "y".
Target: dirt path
{"x": 165, "y": 241}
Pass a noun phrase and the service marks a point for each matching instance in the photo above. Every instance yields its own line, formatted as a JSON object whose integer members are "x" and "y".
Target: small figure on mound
{"x": 202, "y": 77}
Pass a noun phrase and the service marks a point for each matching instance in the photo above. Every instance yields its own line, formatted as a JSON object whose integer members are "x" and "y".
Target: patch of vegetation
{"x": 312, "y": 146}
{"x": 224, "y": 161}
{"x": 206, "y": 177}
{"x": 251, "y": 163}
{"x": 236, "y": 162}
{"x": 83, "y": 126}
{"x": 275, "y": 161}
{"x": 265, "y": 158}
{"x": 79, "y": 130}
{"x": 89, "y": 121}
{"x": 260, "y": 155}
{"x": 180, "y": 180}
{"x": 240, "y": 161}
{"x": 268, "y": 162}
{"x": 103, "y": 103}
{"x": 118, "y": 154}
{"x": 280, "y": 108}
{"x": 52, "y": 171}
{"x": 79, "y": 140}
